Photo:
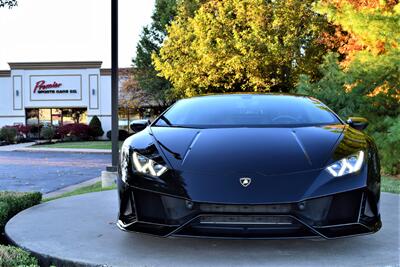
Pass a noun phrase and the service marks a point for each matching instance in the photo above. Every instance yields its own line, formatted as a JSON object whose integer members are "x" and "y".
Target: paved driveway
{"x": 48, "y": 171}
{"x": 82, "y": 229}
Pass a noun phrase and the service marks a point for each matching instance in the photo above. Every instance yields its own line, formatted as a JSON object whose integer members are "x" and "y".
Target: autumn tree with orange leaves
{"x": 363, "y": 77}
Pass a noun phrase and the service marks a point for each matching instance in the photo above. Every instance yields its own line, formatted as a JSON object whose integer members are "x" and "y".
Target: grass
{"x": 83, "y": 190}
{"x": 390, "y": 184}
{"x": 81, "y": 145}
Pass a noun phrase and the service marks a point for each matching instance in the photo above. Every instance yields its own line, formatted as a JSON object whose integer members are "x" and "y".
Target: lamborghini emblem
{"x": 245, "y": 181}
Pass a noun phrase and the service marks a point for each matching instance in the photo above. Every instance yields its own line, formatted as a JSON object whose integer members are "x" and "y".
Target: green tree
{"x": 248, "y": 45}
{"x": 150, "y": 42}
{"x": 367, "y": 84}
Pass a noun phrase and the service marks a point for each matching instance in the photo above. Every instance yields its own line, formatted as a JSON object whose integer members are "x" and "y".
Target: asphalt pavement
{"x": 48, "y": 171}
{"x": 81, "y": 231}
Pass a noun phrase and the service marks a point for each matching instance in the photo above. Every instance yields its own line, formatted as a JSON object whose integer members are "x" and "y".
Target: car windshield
{"x": 247, "y": 111}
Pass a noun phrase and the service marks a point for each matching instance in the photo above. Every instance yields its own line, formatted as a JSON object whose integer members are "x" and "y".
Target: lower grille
{"x": 220, "y": 208}
{"x": 246, "y": 220}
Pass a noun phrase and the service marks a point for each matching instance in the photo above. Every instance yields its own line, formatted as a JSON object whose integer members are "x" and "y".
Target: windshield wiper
{"x": 162, "y": 117}
{"x": 169, "y": 124}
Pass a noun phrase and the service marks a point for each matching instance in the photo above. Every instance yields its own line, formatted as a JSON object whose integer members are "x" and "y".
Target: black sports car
{"x": 250, "y": 166}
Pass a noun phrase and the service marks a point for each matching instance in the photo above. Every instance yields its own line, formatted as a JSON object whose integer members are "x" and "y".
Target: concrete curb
{"x": 65, "y": 150}
{"x": 71, "y": 188}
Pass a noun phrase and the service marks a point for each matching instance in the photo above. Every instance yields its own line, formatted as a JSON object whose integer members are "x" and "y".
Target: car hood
{"x": 247, "y": 151}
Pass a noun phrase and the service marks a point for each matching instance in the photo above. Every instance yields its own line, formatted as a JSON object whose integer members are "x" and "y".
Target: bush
{"x": 4, "y": 210}
{"x": 95, "y": 128}
{"x": 80, "y": 131}
{"x": 8, "y": 134}
{"x": 23, "y": 129}
{"x": 388, "y": 142}
{"x": 75, "y": 131}
{"x": 12, "y": 256}
{"x": 34, "y": 130}
{"x": 47, "y": 133}
{"x": 12, "y": 202}
{"x": 122, "y": 135}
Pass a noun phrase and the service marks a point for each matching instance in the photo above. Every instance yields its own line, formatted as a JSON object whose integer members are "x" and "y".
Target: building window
{"x": 74, "y": 115}
{"x": 45, "y": 117}
{"x": 32, "y": 117}
{"x": 55, "y": 116}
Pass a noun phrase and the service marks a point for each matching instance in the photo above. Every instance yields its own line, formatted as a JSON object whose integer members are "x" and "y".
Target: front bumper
{"x": 344, "y": 214}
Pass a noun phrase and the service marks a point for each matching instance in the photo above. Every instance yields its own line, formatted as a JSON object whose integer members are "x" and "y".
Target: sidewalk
{"x": 16, "y": 147}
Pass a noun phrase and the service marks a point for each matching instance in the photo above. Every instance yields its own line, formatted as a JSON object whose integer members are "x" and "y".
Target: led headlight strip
{"x": 350, "y": 164}
{"x": 147, "y": 166}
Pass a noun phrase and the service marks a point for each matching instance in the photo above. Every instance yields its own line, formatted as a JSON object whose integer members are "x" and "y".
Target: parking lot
{"x": 48, "y": 171}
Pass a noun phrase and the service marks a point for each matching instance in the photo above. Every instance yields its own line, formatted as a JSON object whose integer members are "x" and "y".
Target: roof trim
{"x": 105, "y": 72}
{"x": 55, "y": 65}
{"x": 122, "y": 71}
{"x": 5, "y": 73}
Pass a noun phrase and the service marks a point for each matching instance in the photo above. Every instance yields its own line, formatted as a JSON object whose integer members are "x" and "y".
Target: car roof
{"x": 216, "y": 95}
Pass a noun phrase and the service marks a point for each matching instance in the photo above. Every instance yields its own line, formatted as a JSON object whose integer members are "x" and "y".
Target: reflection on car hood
{"x": 267, "y": 151}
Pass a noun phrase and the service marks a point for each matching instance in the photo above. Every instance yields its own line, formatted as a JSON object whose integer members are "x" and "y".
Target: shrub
{"x": 8, "y": 134}
{"x": 64, "y": 131}
{"x": 122, "y": 135}
{"x": 388, "y": 142}
{"x": 23, "y": 129}
{"x": 80, "y": 131}
{"x": 4, "y": 210}
{"x": 47, "y": 133}
{"x": 76, "y": 131}
{"x": 12, "y": 202}
{"x": 34, "y": 129}
{"x": 95, "y": 128}
{"x": 12, "y": 256}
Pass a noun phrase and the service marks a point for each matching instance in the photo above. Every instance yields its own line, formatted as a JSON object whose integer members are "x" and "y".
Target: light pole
{"x": 114, "y": 87}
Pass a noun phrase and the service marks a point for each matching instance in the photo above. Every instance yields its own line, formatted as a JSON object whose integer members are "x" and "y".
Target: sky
{"x": 70, "y": 30}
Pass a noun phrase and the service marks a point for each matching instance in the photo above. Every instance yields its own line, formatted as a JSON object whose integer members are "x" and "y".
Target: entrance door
{"x": 56, "y": 117}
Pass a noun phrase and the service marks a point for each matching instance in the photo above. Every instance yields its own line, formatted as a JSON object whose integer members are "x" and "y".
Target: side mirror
{"x": 139, "y": 125}
{"x": 358, "y": 123}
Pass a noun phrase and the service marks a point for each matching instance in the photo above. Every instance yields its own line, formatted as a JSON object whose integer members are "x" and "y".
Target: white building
{"x": 55, "y": 93}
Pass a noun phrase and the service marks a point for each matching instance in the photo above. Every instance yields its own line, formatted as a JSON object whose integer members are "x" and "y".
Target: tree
{"x": 9, "y": 3}
{"x": 249, "y": 45}
{"x": 150, "y": 42}
{"x": 367, "y": 81}
{"x": 95, "y": 128}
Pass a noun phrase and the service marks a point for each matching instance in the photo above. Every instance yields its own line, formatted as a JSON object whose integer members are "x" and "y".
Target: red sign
{"x": 42, "y": 86}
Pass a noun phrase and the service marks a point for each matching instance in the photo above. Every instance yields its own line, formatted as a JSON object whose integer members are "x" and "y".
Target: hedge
{"x": 47, "y": 133}
{"x": 74, "y": 131}
{"x": 122, "y": 135}
{"x": 13, "y": 257}
{"x": 8, "y": 134}
{"x": 10, "y": 204}
{"x": 13, "y": 202}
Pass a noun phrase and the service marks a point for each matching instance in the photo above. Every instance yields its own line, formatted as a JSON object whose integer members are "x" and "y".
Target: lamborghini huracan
{"x": 249, "y": 166}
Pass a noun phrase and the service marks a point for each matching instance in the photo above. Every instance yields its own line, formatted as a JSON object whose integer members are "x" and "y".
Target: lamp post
{"x": 110, "y": 175}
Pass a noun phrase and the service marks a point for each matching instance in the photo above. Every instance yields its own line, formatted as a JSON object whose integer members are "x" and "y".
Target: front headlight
{"x": 147, "y": 166}
{"x": 347, "y": 165}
